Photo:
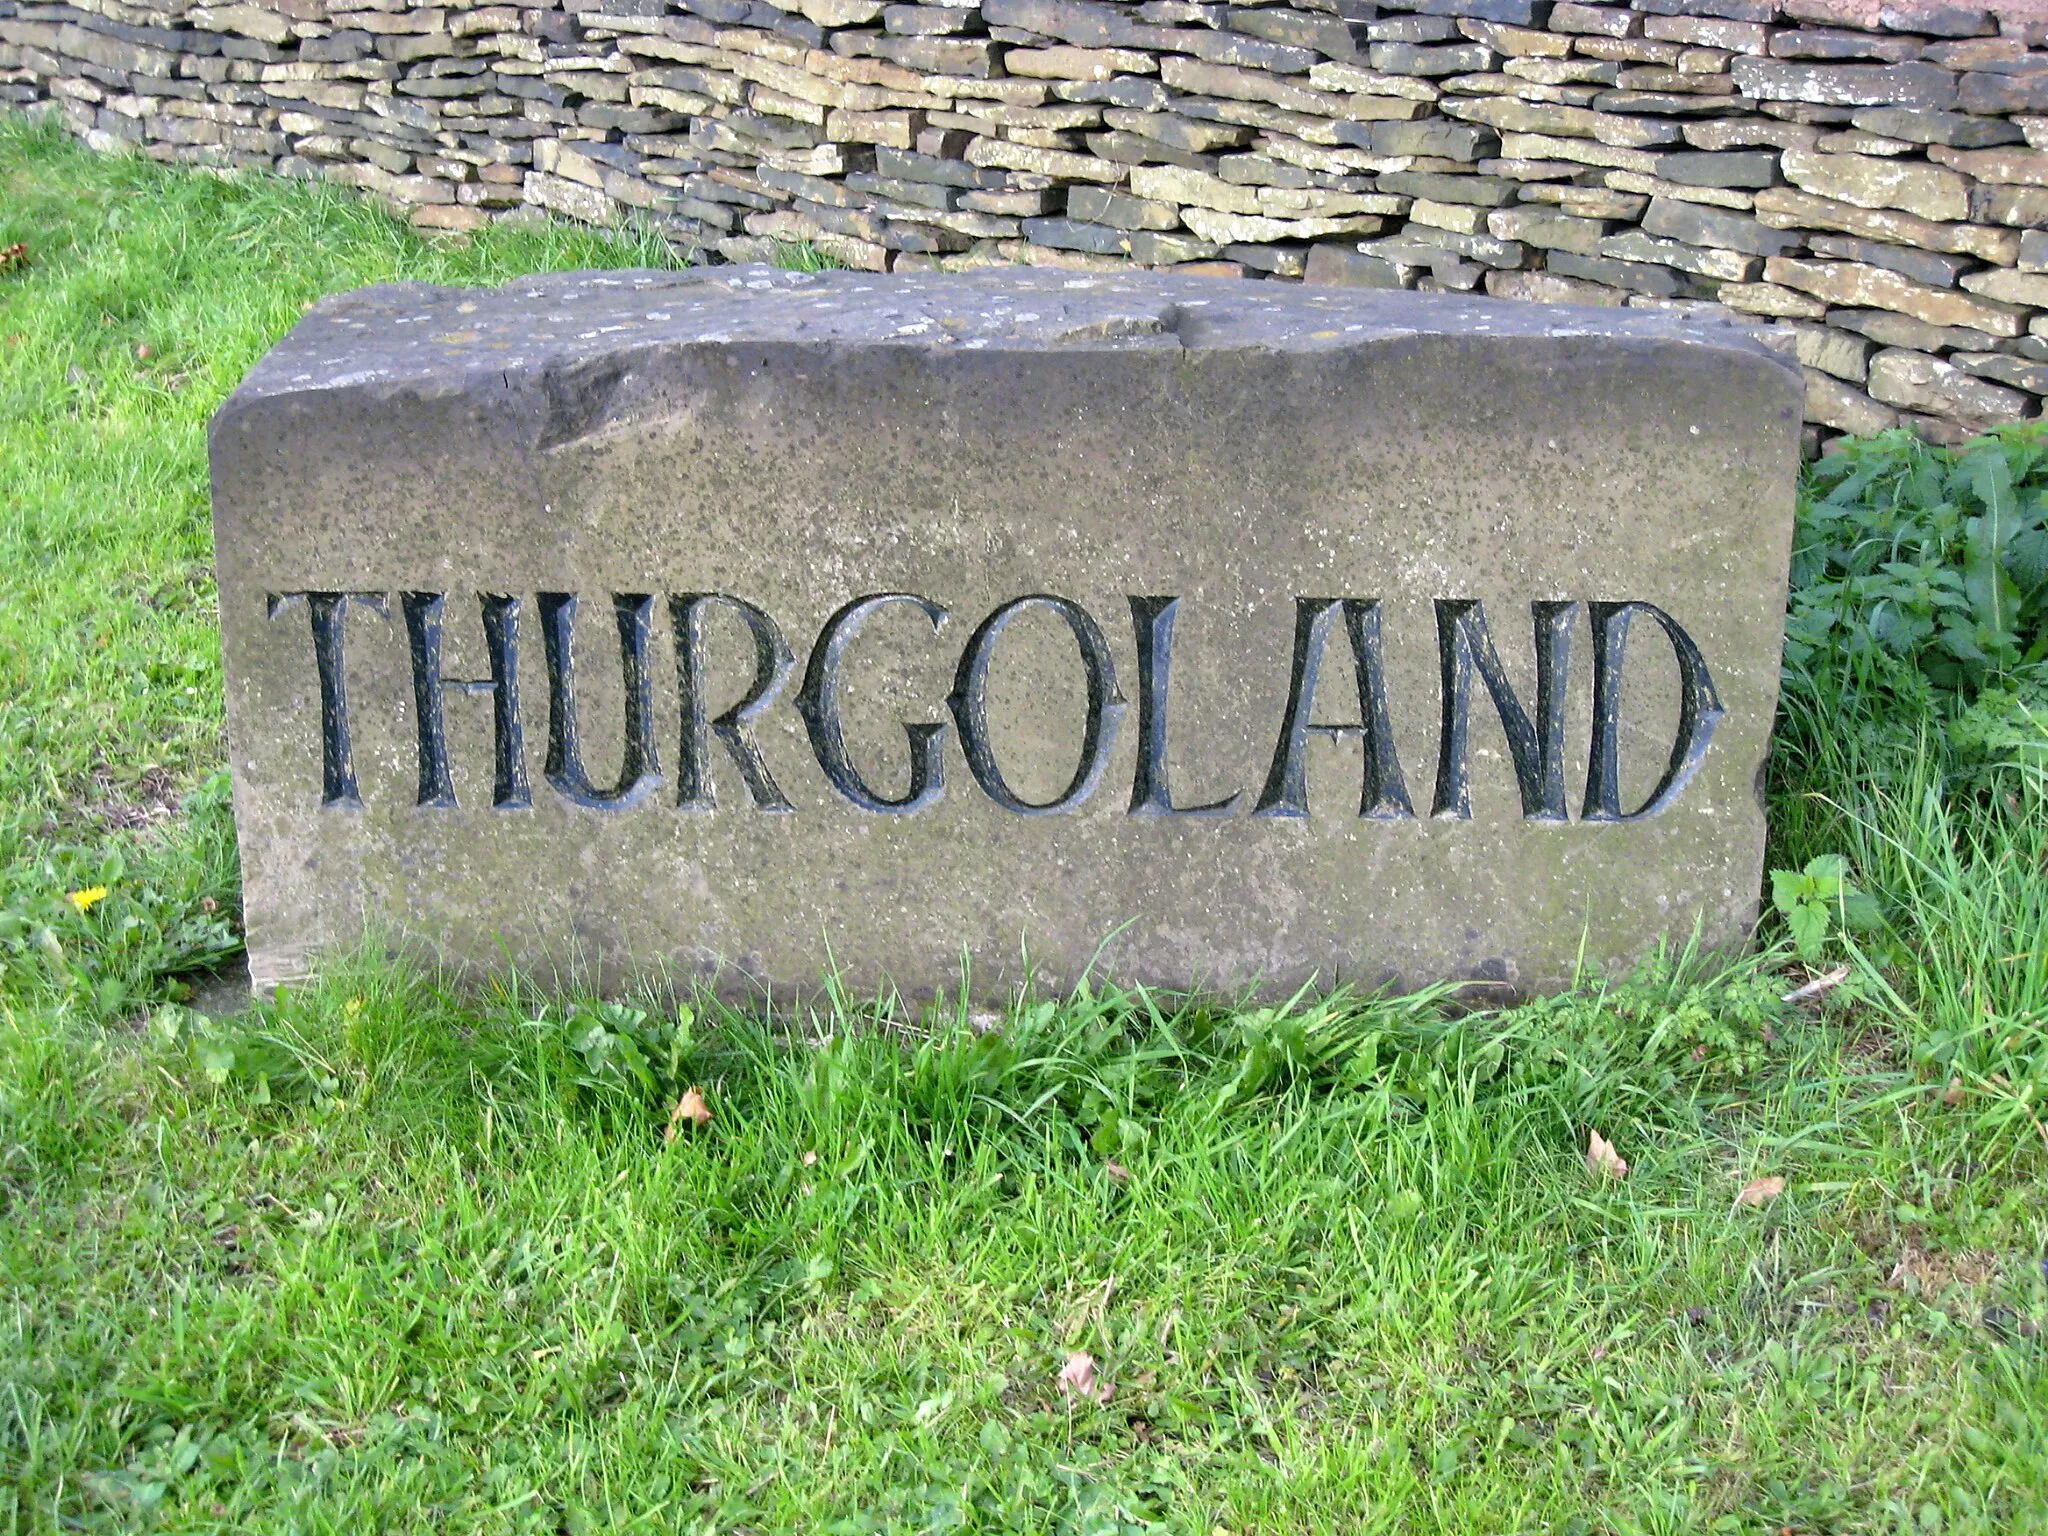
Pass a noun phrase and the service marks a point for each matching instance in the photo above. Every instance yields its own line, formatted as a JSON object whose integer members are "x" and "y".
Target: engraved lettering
{"x": 329, "y": 613}
{"x": 969, "y": 704}
{"x": 423, "y": 616}
{"x": 639, "y": 769}
{"x": 1465, "y": 648}
{"x": 1384, "y": 795}
{"x": 1699, "y": 711}
{"x": 819, "y": 702}
{"x": 1152, "y": 618}
{"x": 733, "y": 727}
{"x": 1463, "y": 644}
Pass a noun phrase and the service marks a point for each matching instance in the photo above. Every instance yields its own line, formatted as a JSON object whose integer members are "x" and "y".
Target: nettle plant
{"x": 1916, "y": 571}
{"x": 1916, "y": 632}
{"x": 1820, "y": 899}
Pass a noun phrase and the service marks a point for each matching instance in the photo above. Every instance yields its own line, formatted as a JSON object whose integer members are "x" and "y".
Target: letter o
{"x": 969, "y": 704}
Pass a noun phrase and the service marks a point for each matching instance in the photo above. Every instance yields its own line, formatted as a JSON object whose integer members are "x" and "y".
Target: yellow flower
{"x": 89, "y": 898}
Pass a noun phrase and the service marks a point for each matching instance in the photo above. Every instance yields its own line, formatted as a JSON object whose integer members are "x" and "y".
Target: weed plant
{"x": 389, "y": 1253}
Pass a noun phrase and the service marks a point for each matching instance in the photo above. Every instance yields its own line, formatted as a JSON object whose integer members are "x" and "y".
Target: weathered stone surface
{"x": 1465, "y": 218}
{"x": 1656, "y": 186}
{"x": 1226, "y": 228}
{"x": 1888, "y": 328}
{"x": 1871, "y": 181}
{"x": 1934, "y": 268}
{"x": 1515, "y": 13}
{"x": 1738, "y": 168}
{"x": 1922, "y": 127}
{"x": 1484, "y": 249}
{"x": 1821, "y": 346}
{"x": 1549, "y": 287}
{"x": 1852, "y": 284}
{"x": 1707, "y": 226}
{"x": 2029, "y": 288}
{"x": 1658, "y": 281}
{"x": 2020, "y": 372}
{"x": 1827, "y": 43}
{"x": 2015, "y": 206}
{"x": 1074, "y": 235}
{"x": 1833, "y": 403}
{"x": 807, "y": 444}
{"x": 1877, "y": 85}
{"x": 1994, "y": 94}
{"x": 1102, "y": 206}
{"x": 1920, "y": 382}
{"x": 1153, "y": 248}
{"x": 1783, "y": 208}
{"x": 1547, "y": 229}
{"x": 1482, "y": 191}
{"x": 1771, "y": 299}
{"x": 2025, "y": 167}
{"x": 1597, "y": 20}
{"x": 1738, "y": 132}
{"x": 1344, "y": 266}
{"x": 1635, "y": 245}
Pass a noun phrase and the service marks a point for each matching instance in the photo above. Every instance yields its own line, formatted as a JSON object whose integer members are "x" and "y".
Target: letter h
{"x": 423, "y": 616}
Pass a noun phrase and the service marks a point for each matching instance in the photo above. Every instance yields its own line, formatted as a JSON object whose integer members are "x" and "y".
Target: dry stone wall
{"x": 1865, "y": 182}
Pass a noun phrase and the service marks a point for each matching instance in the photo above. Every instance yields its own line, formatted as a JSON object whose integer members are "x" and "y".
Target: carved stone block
{"x": 745, "y": 625}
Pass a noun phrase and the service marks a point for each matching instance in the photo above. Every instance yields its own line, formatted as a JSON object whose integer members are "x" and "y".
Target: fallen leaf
{"x": 690, "y": 1107}
{"x": 1954, "y": 1094}
{"x": 1077, "y": 1378}
{"x": 1819, "y": 986}
{"x": 13, "y": 258}
{"x": 810, "y": 1159}
{"x": 1761, "y": 1191}
{"x": 1602, "y": 1161}
{"x": 1118, "y": 1173}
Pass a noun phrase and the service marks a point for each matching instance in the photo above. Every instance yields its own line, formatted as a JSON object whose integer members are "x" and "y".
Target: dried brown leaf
{"x": 1118, "y": 1173}
{"x": 1819, "y": 986}
{"x": 1602, "y": 1161}
{"x": 1077, "y": 1378}
{"x": 1761, "y": 1191}
{"x": 691, "y": 1108}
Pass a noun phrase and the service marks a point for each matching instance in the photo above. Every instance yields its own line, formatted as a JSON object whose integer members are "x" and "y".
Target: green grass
{"x": 382, "y": 1256}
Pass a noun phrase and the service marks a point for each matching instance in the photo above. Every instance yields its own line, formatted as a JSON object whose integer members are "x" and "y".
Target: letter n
{"x": 1536, "y": 748}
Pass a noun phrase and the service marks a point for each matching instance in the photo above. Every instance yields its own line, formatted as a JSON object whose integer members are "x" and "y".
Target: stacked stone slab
{"x": 1866, "y": 182}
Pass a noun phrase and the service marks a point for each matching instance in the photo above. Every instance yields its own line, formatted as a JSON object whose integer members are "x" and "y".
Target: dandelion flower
{"x": 89, "y": 898}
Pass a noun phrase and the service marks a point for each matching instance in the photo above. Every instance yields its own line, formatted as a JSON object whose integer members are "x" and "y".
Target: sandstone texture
{"x": 1645, "y": 155}
{"x": 742, "y": 625}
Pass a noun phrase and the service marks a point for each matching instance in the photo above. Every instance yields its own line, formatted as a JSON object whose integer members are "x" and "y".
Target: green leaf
{"x": 1788, "y": 889}
{"x": 2027, "y": 557}
{"x": 216, "y": 1060}
{"x": 1994, "y": 598}
{"x": 1809, "y": 924}
{"x": 1860, "y": 912}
